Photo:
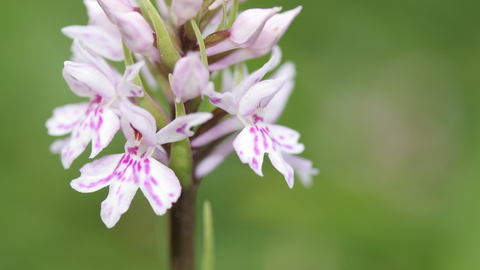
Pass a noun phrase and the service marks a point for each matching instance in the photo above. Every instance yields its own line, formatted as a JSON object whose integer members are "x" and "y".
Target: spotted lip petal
{"x": 97, "y": 119}
{"x": 125, "y": 173}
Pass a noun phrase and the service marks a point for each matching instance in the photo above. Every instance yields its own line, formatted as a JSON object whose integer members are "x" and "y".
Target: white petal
{"x": 303, "y": 168}
{"x": 65, "y": 118}
{"x": 282, "y": 166}
{"x": 259, "y": 95}
{"x": 276, "y": 106}
{"x": 105, "y": 125}
{"x": 127, "y": 86}
{"x": 179, "y": 128}
{"x": 286, "y": 138}
{"x": 250, "y": 147}
{"x": 97, "y": 174}
{"x": 98, "y": 40}
{"x": 91, "y": 77}
{"x": 118, "y": 201}
{"x": 140, "y": 119}
{"x": 160, "y": 186}
{"x": 256, "y": 76}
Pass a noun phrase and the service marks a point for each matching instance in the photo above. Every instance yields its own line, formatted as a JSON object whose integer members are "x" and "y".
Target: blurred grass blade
{"x": 208, "y": 241}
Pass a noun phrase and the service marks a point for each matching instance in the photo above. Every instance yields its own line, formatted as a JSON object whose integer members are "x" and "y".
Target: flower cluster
{"x": 173, "y": 56}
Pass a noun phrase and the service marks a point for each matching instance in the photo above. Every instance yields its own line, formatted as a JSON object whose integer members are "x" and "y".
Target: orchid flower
{"x": 94, "y": 121}
{"x": 137, "y": 167}
{"x": 249, "y": 103}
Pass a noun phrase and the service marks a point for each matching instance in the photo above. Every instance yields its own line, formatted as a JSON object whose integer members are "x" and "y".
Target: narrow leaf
{"x": 208, "y": 239}
{"x": 168, "y": 54}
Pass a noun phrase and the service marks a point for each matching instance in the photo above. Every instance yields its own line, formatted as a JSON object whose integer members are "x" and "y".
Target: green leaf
{"x": 201, "y": 45}
{"x": 208, "y": 260}
{"x": 168, "y": 54}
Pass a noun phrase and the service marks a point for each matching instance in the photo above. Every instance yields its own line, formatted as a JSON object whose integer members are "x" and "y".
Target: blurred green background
{"x": 387, "y": 102}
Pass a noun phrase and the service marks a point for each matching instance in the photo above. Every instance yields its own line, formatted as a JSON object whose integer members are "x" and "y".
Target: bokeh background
{"x": 387, "y": 102}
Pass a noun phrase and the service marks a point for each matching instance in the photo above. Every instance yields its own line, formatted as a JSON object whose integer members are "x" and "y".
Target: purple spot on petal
{"x": 181, "y": 130}
{"x": 255, "y": 163}
{"x": 171, "y": 194}
{"x": 215, "y": 100}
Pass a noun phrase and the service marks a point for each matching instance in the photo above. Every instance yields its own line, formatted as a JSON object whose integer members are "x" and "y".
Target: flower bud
{"x": 136, "y": 33}
{"x": 274, "y": 30}
{"x": 113, "y": 6}
{"x": 190, "y": 78}
{"x": 186, "y": 9}
{"x": 249, "y": 24}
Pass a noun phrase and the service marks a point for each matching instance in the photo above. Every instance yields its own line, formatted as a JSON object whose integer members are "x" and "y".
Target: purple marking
{"x": 171, "y": 194}
{"x": 132, "y": 150}
{"x": 147, "y": 166}
{"x": 255, "y": 163}
{"x": 215, "y": 100}
{"x": 257, "y": 118}
{"x": 154, "y": 181}
{"x": 150, "y": 191}
{"x": 281, "y": 137}
{"x": 255, "y": 146}
{"x": 181, "y": 130}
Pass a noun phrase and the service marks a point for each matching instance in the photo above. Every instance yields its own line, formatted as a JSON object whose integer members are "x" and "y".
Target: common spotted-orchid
{"x": 174, "y": 54}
